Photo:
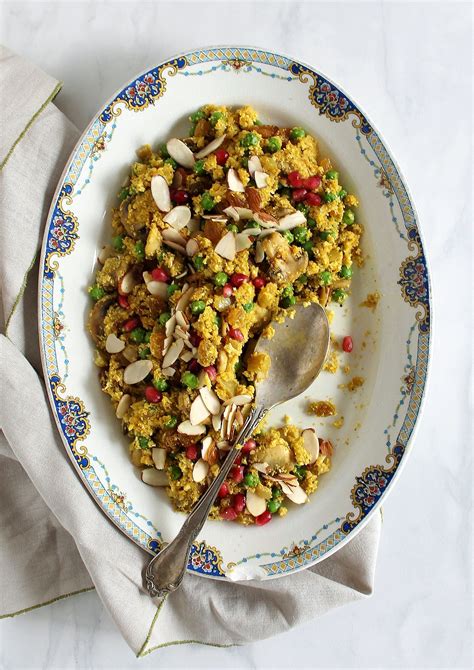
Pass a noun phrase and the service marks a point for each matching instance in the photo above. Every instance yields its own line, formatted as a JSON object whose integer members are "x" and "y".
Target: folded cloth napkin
{"x": 50, "y": 549}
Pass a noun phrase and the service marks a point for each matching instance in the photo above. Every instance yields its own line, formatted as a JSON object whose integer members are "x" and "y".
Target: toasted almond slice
{"x": 168, "y": 372}
{"x": 175, "y": 246}
{"x": 242, "y": 242}
{"x": 159, "y": 457}
{"x": 214, "y": 217}
{"x": 254, "y": 165}
{"x": 198, "y": 412}
{"x": 232, "y": 212}
{"x": 172, "y": 235}
{"x": 105, "y": 253}
{"x": 223, "y": 445}
{"x": 216, "y": 421}
{"x": 226, "y": 246}
{"x": 244, "y": 213}
{"x": 239, "y": 400}
{"x": 154, "y": 477}
{"x": 161, "y": 193}
{"x": 192, "y": 247}
{"x": 173, "y": 353}
{"x": 127, "y": 283}
{"x": 311, "y": 444}
{"x": 206, "y": 445}
{"x": 183, "y": 301}
{"x": 167, "y": 343}
{"x": 261, "y": 179}
{"x": 187, "y": 356}
{"x": 158, "y": 288}
{"x": 130, "y": 353}
{"x": 255, "y": 504}
{"x": 179, "y": 332}
{"x": 147, "y": 277}
{"x": 123, "y": 405}
{"x": 113, "y": 344}
{"x": 209, "y": 148}
{"x": 178, "y": 217}
{"x": 183, "y": 274}
{"x": 230, "y": 422}
{"x": 193, "y": 225}
{"x": 294, "y": 492}
{"x": 181, "y": 319}
{"x": 170, "y": 325}
{"x": 187, "y": 428}
{"x": 137, "y": 371}
{"x": 291, "y": 220}
{"x": 200, "y": 470}
{"x": 261, "y": 467}
{"x": 210, "y": 400}
{"x": 225, "y": 416}
{"x": 234, "y": 182}
{"x": 263, "y": 221}
{"x": 259, "y": 253}
{"x": 181, "y": 153}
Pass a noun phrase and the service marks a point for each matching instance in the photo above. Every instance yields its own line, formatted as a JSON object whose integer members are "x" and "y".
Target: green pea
{"x": 163, "y": 151}
{"x": 233, "y": 228}
{"x": 139, "y": 250}
{"x": 96, "y": 292}
{"x": 342, "y": 193}
{"x": 163, "y": 318}
{"x": 117, "y": 242}
{"x": 326, "y": 234}
{"x": 332, "y": 174}
{"x": 196, "y": 116}
{"x": 172, "y": 288}
{"x": 198, "y": 262}
{"x": 217, "y": 320}
{"x": 175, "y": 472}
{"x": 302, "y": 279}
{"x": 348, "y": 217}
{"x": 251, "y": 480}
{"x": 257, "y": 122}
{"x": 238, "y": 367}
{"x": 288, "y": 235}
{"x": 288, "y": 302}
{"x": 311, "y": 223}
{"x": 220, "y": 278}
{"x": 143, "y": 442}
{"x": 207, "y": 201}
{"x": 297, "y": 133}
{"x": 215, "y": 117}
{"x": 307, "y": 246}
{"x": 273, "y": 144}
{"x": 346, "y": 272}
{"x": 144, "y": 352}
{"x": 172, "y": 422}
{"x": 301, "y": 207}
{"x": 248, "y": 307}
{"x": 245, "y": 162}
{"x": 300, "y": 472}
{"x": 123, "y": 193}
{"x": 301, "y": 234}
{"x": 147, "y": 337}
{"x": 189, "y": 380}
{"x": 249, "y": 140}
{"x": 287, "y": 291}
{"x": 172, "y": 162}
{"x": 199, "y": 167}
{"x": 329, "y": 197}
{"x": 338, "y": 295}
{"x": 192, "y": 129}
{"x": 325, "y": 278}
{"x": 137, "y": 335}
{"x": 251, "y": 223}
{"x": 273, "y": 506}
{"x": 160, "y": 384}
{"x": 197, "y": 307}
{"x": 276, "y": 492}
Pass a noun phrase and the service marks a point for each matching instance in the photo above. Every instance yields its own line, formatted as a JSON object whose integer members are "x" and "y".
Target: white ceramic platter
{"x": 391, "y": 343}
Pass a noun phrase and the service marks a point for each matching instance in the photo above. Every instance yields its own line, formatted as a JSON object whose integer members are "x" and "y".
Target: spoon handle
{"x": 166, "y": 570}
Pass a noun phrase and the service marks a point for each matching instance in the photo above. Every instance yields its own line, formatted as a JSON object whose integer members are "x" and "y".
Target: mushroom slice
{"x": 168, "y": 372}
{"x": 154, "y": 477}
{"x": 255, "y": 504}
{"x": 239, "y": 400}
{"x": 226, "y": 246}
{"x": 178, "y": 217}
{"x": 210, "y": 400}
{"x": 173, "y": 353}
{"x": 293, "y": 491}
{"x": 137, "y": 371}
{"x": 105, "y": 253}
{"x": 181, "y": 153}
{"x": 157, "y": 288}
{"x": 159, "y": 457}
{"x": 113, "y": 344}
{"x": 192, "y": 247}
{"x": 311, "y": 444}
{"x": 234, "y": 182}
{"x": 198, "y": 412}
{"x": 161, "y": 193}
{"x": 200, "y": 470}
{"x": 187, "y": 428}
{"x": 261, "y": 179}
{"x": 123, "y": 406}
{"x": 291, "y": 220}
{"x": 209, "y": 148}
{"x": 254, "y": 165}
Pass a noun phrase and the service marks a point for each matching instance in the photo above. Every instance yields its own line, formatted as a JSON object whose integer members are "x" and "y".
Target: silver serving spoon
{"x": 297, "y": 350}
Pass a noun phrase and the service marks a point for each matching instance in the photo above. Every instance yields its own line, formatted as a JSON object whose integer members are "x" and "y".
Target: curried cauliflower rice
{"x": 216, "y": 236}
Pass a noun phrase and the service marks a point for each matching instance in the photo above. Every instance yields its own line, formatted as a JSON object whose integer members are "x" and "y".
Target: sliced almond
{"x": 181, "y": 153}
{"x": 225, "y": 416}
{"x": 242, "y": 242}
{"x": 259, "y": 253}
{"x": 105, "y": 253}
{"x": 255, "y": 504}
{"x": 261, "y": 467}
{"x": 187, "y": 428}
{"x": 239, "y": 400}
{"x": 178, "y": 217}
{"x": 232, "y": 212}
{"x": 261, "y": 179}
{"x": 209, "y": 148}
{"x": 185, "y": 298}
{"x": 250, "y": 232}
{"x": 137, "y": 371}
{"x": 167, "y": 343}
{"x": 187, "y": 356}
{"x": 147, "y": 277}
{"x": 123, "y": 406}
{"x": 113, "y": 344}
{"x": 216, "y": 421}
{"x": 127, "y": 283}
{"x": 170, "y": 325}
{"x": 192, "y": 247}
{"x": 234, "y": 182}
{"x": 173, "y": 353}
{"x": 311, "y": 444}
{"x": 159, "y": 457}
{"x": 210, "y": 400}
{"x": 291, "y": 220}
{"x": 226, "y": 246}
{"x": 223, "y": 445}
{"x": 168, "y": 372}
{"x": 181, "y": 333}
{"x": 181, "y": 319}
{"x": 154, "y": 477}
{"x": 206, "y": 445}
{"x": 254, "y": 165}
{"x": 161, "y": 193}
{"x": 229, "y": 429}
{"x": 175, "y": 246}
{"x": 158, "y": 288}
{"x": 130, "y": 353}
{"x": 214, "y": 217}
{"x": 265, "y": 220}
{"x": 293, "y": 491}
{"x": 244, "y": 213}
{"x": 200, "y": 470}
{"x": 172, "y": 235}
{"x": 198, "y": 412}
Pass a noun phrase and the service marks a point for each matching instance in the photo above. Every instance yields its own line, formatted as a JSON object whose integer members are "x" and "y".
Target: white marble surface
{"x": 407, "y": 64}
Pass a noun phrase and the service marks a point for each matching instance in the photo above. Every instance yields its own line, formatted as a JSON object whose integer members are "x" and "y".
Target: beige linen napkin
{"x": 49, "y": 548}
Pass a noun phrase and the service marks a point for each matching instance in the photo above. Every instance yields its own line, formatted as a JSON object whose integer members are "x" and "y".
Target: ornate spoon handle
{"x": 166, "y": 570}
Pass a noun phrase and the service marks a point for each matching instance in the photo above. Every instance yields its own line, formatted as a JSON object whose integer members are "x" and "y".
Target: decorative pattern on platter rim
{"x": 62, "y": 234}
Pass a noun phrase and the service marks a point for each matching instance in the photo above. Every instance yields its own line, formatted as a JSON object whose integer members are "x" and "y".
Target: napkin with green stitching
{"x": 54, "y": 541}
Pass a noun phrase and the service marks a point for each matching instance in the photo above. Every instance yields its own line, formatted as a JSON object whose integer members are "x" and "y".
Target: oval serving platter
{"x": 375, "y": 422}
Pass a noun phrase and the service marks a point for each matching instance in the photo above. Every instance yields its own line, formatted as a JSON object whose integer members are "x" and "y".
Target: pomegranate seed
{"x": 239, "y": 502}
{"x": 235, "y": 334}
{"x": 224, "y": 490}
{"x": 263, "y": 518}
{"x": 192, "y": 452}
{"x": 313, "y": 199}
{"x": 123, "y": 302}
{"x": 238, "y": 459}
{"x": 299, "y": 194}
{"x": 259, "y": 282}
{"x": 158, "y": 274}
{"x": 237, "y": 279}
{"x": 194, "y": 338}
{"x": 249, "y": 446}
{"x": 193, "y": 366}
{"x": 312, "y": 183}
{"x": 227, "y": 290}
{"x": 130, "y": 324}
{"x": 347, "y": 344}
{"x": 179, "y": 197}
{"x": 152, "y": 395}
{"x": 237, "y": 473}
{"x": 221, "y": 156}
{"x": 229, "y": 514}
{"x": 211, "y": 372}
{"x": 294, "y": 179}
